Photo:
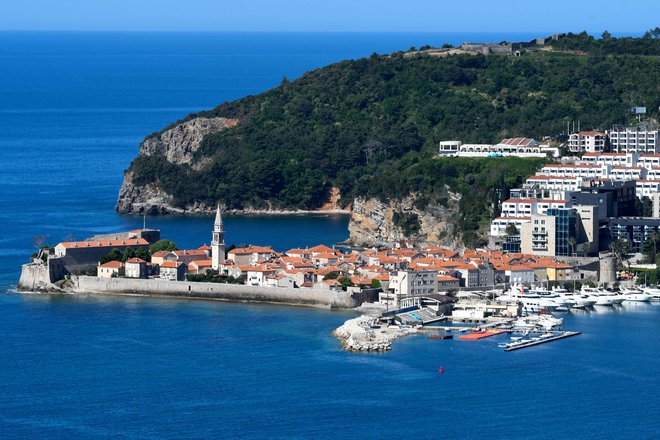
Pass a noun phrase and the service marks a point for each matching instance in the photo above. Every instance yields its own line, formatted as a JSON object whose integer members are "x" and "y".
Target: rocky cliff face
{"x": 177, "y": 145}
{"x": 372, "y": 222}
{"x": 378, "y": 223}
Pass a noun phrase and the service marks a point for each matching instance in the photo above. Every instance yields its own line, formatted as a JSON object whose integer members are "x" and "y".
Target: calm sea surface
{"x": 73, "y": 109}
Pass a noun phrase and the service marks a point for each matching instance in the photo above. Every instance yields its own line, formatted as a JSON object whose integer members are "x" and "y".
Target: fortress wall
{"x": 34, "y": 277}
{"x": 231, "y": 292}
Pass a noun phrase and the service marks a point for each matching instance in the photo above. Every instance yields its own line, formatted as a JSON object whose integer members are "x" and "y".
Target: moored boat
{"x": 441, "y": 336}
{"x": 634, "y": 295}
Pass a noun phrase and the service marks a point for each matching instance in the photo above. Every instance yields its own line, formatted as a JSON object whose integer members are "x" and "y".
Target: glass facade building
{"x": 565, "y": 228}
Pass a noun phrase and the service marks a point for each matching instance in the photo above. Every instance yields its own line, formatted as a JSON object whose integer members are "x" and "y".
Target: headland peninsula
{"x": 526, "y": 214}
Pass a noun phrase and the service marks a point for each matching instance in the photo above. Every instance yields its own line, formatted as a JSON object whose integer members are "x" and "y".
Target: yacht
{"x": 634, "y": 295}
{"x": 578, "y": 300}
{"x": 653, "y": 291}
{"x": 531, "y": 302}
{"x": 614, "y": 296}
{"x": 601, "y": 298}
{"x": 563, "y": 301}
{"x": 544, "y": 321}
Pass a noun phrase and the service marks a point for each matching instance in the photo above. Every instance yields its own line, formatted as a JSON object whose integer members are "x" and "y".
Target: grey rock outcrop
{"x": 178, "y": 145}
{"x": 373, "y": 222}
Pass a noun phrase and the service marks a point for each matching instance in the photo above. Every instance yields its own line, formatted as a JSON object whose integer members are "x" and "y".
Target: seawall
{"x": 218, "y": 291}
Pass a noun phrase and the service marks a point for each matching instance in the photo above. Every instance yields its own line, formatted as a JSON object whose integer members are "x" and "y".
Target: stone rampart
{"x": 219, "y": 291}
{"x": 41, "y": 276}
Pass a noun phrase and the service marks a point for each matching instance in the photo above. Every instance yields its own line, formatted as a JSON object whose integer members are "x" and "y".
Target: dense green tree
{"x": 163, "y": 245}
{"x": 346, "y": 281}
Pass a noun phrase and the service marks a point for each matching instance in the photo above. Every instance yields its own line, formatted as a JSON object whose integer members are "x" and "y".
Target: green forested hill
{"x": 356, "y": 124}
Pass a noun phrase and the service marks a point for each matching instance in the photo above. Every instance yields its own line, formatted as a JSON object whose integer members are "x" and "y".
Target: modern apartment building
{"x": 633, "y": 140}
{"x": 587, "y": 141}
{"x": 560, "y": 232}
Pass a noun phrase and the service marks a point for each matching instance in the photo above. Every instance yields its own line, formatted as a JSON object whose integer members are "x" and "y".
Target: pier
{"x": 536, "y": 341}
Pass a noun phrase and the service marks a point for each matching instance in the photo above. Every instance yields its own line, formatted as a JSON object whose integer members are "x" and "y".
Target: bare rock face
{"x": 177, "y": 145}
{"x": 373, "y": 222}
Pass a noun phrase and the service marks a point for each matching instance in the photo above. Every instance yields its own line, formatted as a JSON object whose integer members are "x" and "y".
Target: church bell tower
{"x": 218, "y": 241}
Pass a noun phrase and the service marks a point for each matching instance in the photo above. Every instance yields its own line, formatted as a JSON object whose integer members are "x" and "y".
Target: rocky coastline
{"x": 357, "y": 335}
{"x": 372, "y": 222}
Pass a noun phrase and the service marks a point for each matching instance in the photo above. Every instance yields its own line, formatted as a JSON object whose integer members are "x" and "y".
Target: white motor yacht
{"x": 531, "y": 302}
{"x": 614, "y": 296}
{"x": 601, "y": 298}
{"x": 561, "y": 300}
{"x": 634, "y": 295}
{"x": 653, "y": 291}
{"x": 578, "y": 300}
{"x": 544, "y": 321}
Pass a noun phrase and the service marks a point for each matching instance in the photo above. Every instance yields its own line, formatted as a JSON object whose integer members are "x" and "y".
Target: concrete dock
{"x": 518, "y": 346}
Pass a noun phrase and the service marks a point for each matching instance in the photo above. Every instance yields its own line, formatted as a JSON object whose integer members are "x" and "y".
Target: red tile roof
{"x": 105, "y": 243}
{"x": 252, "y": 250}
{"x": 113, "y": 265}
{"x": 191, "y": 252}
{"x": 162, "y": 254}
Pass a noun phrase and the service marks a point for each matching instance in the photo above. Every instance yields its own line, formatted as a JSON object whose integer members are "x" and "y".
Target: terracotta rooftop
{"x": 113, "y": 265}
{"x": 105, "y": 243}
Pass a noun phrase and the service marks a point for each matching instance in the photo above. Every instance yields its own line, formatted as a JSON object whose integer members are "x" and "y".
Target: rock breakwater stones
{"x": 356, "y": 335}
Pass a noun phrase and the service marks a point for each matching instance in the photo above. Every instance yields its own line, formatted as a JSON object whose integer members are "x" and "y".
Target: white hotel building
{"x": 555, "y": 183}
{"x": 629, "y": 140}
{"x": 570, "y": 170}
{"x": 613, "y": 159}
{"x": 518, "y": 147}
{"x": 649, "y": 161}
{"x": 589, "y": 141}
{"x": 646, "y": 188}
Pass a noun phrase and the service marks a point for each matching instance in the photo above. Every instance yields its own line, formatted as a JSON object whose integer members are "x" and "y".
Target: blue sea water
{"x": 73, "y": 109}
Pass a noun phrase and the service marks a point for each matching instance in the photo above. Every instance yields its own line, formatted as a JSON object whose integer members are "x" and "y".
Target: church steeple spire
{"x": 218, "y": 242}
{"x": 218, "y": 219}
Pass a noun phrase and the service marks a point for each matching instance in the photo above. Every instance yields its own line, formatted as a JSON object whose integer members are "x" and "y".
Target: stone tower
{"x": 218, "y": 241}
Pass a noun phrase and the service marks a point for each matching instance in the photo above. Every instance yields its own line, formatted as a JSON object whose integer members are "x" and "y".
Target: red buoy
{"x": 442, "y": 369}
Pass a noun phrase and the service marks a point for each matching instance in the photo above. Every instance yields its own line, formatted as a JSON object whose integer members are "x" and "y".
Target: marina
{"x": 473, "y": 318}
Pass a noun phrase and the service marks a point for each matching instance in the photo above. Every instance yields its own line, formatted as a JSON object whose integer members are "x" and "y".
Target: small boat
{"x": 374, "y": 326}
{"x": 441, "y": 336}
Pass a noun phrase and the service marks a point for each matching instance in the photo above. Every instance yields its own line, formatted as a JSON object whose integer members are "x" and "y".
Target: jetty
{"x": 517, "y": 345}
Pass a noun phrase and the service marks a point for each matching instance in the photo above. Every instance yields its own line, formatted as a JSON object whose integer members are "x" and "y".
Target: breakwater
{"x": 357, "y": 335}
{"x": 218, "y": 291}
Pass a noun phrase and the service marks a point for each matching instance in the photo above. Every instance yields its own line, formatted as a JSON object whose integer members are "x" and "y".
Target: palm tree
{"x": 619, "y": 249}
{"x": 572, "y": 242}
{"x": 585, "y": 248}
